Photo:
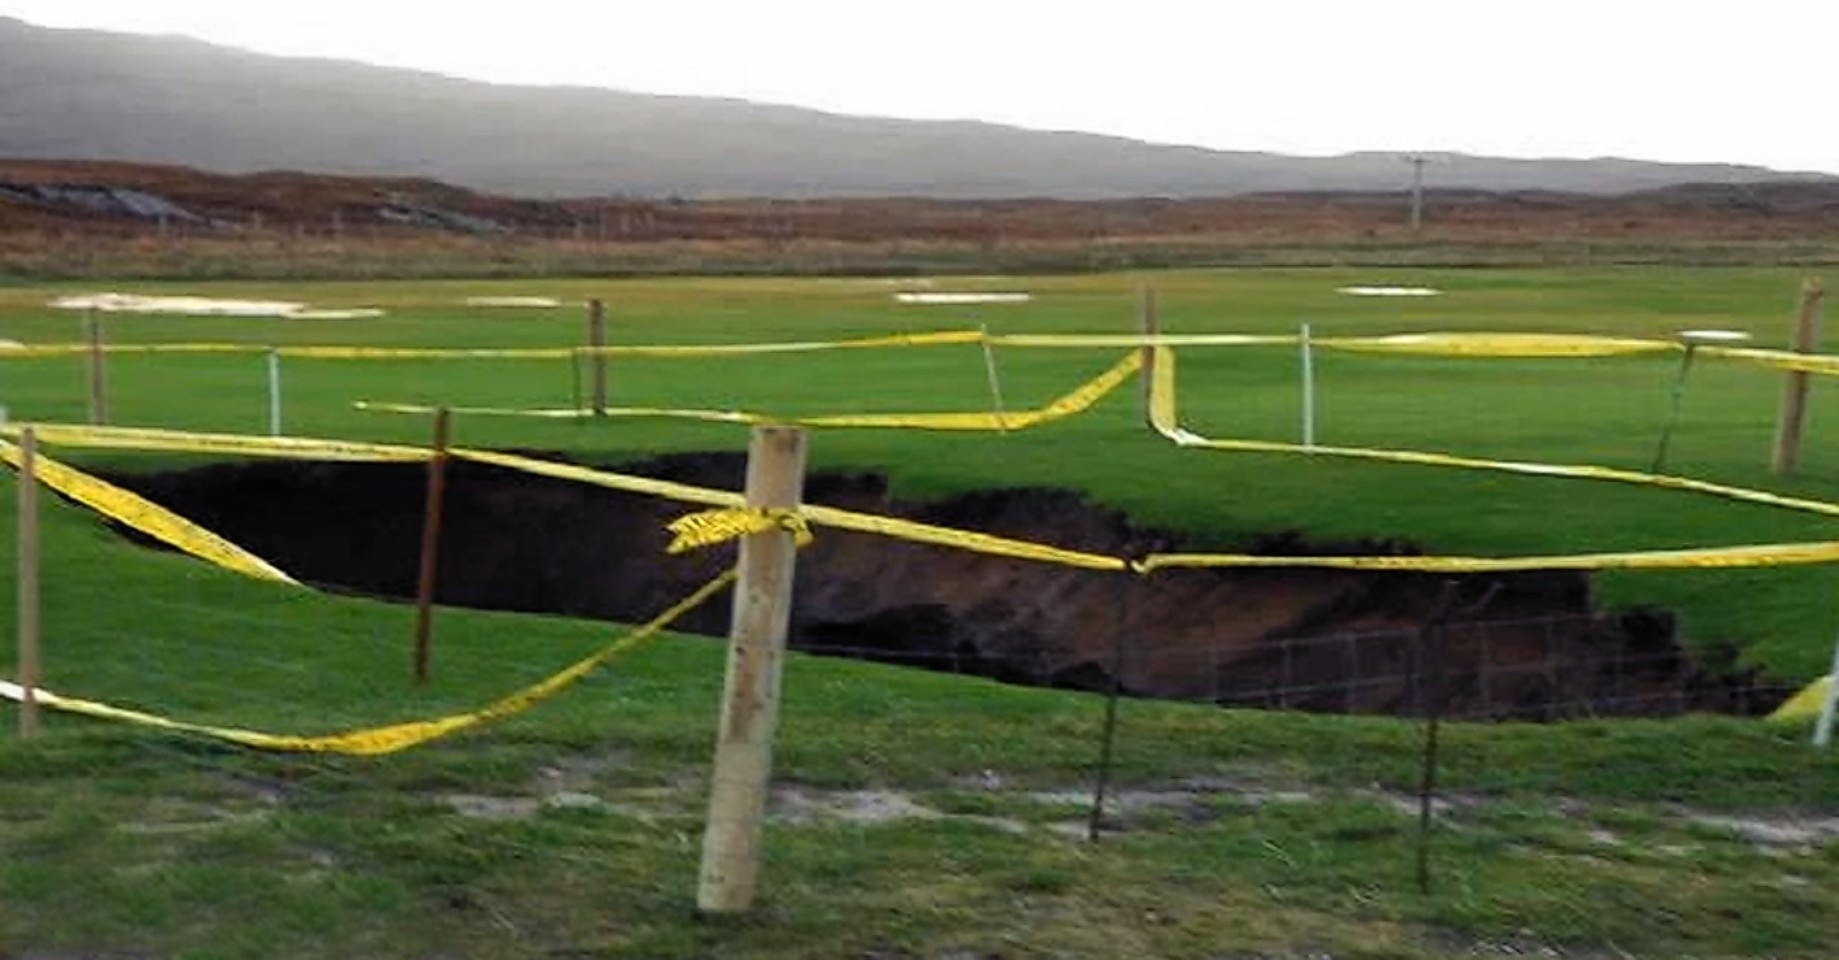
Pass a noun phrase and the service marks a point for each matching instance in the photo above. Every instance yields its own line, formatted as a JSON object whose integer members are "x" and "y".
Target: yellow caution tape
{"x": 669, "y": 490}
{"x": 958, "y": 539}
{"x": 1707, "y": 558}
{"x": 1162, "y": 393}
{"x": 146, "y": 516}
{"x": 1075, "y": 402}
{"x": 425, "y": 353}
{"x": 354, "y": 352}
{"x": 710, "y": 527}
{"x": 1805, "y": 705}
{"x": 1779, "y": 359}
{"x": 184, "y": 441}
{"x": 374, "y": 741}
{"x": 572, "y": 413}
{"x": 1163, "y": 417}
{"x": 1447, "y": 344}
{"x": 941, "y": 338}
{"x": 1132, "y": 341}
{"x": 84, "y": 349}
{"x": 823, "y": 516}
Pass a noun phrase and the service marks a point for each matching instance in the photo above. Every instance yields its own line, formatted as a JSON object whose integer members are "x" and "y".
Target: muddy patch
{"x": 1526, "y": 645}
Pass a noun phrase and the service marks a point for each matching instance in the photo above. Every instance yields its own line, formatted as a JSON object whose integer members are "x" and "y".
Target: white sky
{"x": 1697, "y": 80}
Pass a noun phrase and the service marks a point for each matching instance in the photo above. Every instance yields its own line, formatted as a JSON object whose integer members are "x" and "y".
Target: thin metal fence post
{"x": 1484, "y": 668}
{"x": 1109, "y": 736}
{"x": 996, "y": 387}
{"x": 28, "y": 583}
{"x": 1308, "y": 361}
{"x": 1676, "y": 402}
{"x": 98, "y": 371}
{"x": 1150, "y": 327}
{"x": 274, "y": 392}
{"x": 1823, "y": 728}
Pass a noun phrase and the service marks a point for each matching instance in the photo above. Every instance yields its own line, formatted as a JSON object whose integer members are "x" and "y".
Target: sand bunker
{"x": 963, "y": 297}
{"x": 544, "y": 303}
{"x": 11, "y": 345}
{"x": 206, "y": 307}
{"x": 1389, "y": 291}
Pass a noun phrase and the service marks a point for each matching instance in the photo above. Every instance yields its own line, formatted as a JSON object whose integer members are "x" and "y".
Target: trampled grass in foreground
{"x": 923, "y": 815}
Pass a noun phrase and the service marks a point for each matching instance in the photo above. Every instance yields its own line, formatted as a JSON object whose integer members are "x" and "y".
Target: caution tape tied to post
{"x": 710, "y": 527}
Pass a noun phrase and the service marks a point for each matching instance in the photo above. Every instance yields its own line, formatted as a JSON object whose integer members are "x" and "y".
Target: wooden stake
{"x": 98, "y": 373}
{"x": 597, "y": 338}
{"x": 1148, "y": 326}
{"x": 28, "y": 583}
{"x": 1794, "y": 394}
{"x": 430, "y": 545}
{"x": 750, "y": 694}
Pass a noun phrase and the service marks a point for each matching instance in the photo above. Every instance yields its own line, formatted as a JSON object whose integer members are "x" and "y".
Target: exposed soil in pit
{"x": 1321, "y": 640}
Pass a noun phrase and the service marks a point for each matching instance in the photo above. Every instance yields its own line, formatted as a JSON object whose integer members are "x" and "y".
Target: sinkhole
{"x": 1515, "y": 646}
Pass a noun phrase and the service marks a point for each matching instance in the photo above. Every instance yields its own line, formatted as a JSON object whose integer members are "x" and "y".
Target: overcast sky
{"x": 1752, "y": 82}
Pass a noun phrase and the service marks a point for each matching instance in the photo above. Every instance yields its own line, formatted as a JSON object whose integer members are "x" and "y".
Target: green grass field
{"x": 1593, "y": 839}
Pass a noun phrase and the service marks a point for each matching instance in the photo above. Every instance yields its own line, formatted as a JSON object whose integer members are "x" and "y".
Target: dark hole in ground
{"x": 1321, "y": 640}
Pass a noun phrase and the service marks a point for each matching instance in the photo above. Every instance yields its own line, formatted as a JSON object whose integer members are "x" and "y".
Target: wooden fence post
{"x": 28, "y": 583}
{"x": 1148, "y": 326}
{"x": 750, "y": 693}
{"x": 431, "y": 545}
{"x": 1794, "y": 395}
{"x": 597, "y": 339}
{"x": 98, "y": 372}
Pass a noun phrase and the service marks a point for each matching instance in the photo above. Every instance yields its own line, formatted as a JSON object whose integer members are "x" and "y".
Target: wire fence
{"x": 1543, "y": 669}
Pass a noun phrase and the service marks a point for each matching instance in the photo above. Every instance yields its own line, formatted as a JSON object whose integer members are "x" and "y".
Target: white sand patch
{"x": 919, "y": 283}
{"x": 11, "y": 344}
{"x": 354, "y": 313}
{"x": 961, "y": 298}
{"x": 205, "y": 307}
{"x": 1714, "y": 336}
{"x": 543, "y": 303}
{"x": 1389, "y": 291}
{"x": 195, "y": 306}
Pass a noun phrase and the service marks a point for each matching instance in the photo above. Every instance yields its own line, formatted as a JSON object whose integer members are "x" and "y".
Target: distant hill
{"x": 106, "y": 96}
